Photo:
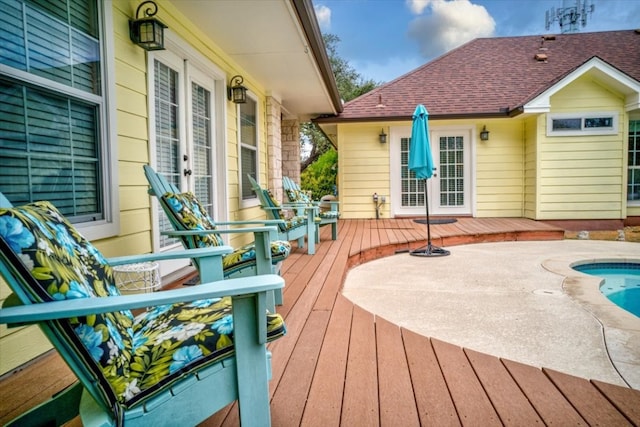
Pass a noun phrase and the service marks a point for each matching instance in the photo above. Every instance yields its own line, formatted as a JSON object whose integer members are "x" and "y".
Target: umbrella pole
{"x": 428, "y": 250}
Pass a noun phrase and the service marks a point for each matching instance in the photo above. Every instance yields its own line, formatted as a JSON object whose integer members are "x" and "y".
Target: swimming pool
{"x": 621, "y": 282}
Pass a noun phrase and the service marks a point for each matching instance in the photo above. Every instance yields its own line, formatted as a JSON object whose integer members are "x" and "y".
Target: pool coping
{"x": 621, "y": 329}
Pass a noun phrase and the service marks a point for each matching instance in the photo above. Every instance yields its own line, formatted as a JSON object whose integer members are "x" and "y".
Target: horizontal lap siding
{"x": 499, "y": 170}
{"x": 363, "y": 168}
{"x": 582, "y": 177}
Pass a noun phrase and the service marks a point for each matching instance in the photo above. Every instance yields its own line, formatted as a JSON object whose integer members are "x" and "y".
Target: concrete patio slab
{"x": 516, "y": 300}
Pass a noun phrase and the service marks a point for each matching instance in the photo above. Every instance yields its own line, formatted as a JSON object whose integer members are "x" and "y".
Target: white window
{"x": 569, "y": 124}
{"x": 55, "y": 129}
{"x": 248, "y": 136}
{"x": 633, "y": 179}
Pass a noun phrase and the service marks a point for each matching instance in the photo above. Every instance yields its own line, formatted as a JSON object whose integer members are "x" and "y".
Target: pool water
{"x": 621, "y": 282}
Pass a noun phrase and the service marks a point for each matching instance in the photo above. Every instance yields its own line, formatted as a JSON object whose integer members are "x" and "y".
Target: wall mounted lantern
{"x": 484, "y": 134}
{"x": 237, "y": 92}
{"x": 147, "y": 32}
{"x": 383, "y": 137}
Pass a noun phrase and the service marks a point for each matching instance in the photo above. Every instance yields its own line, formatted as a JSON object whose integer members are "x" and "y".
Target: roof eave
{"x": 306, "y": 14}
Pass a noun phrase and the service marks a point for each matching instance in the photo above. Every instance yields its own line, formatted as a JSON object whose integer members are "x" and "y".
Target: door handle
{"x": 187, "y": 172}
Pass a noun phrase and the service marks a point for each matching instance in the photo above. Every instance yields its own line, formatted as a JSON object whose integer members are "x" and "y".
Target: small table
{"x": 137, "y": 278}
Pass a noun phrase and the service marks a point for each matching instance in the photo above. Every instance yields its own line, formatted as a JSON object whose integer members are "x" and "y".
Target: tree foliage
{"x": 313, "y": 141}
{"x": 320, "y": 177}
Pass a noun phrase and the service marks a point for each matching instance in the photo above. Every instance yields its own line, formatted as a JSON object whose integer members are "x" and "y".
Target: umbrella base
{"x": 429, "y": 250}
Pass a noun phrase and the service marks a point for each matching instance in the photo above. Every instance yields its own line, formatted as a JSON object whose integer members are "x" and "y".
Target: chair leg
{"x": 318, "y": 233}
{"x": 334, "y": 231}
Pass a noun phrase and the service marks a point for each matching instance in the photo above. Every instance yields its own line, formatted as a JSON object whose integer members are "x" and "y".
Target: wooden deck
{"x": 341, "y": 365}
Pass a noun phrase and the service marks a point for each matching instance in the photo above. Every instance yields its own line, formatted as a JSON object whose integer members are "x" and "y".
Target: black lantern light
{"x": 147, "y": 32}
{"x": 237, "y": 92}
{"x": 383, "y": 137}
{"x": 484, "y": 134}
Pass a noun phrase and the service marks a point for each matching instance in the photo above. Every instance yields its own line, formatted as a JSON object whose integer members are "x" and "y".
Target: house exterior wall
{"x": 533, "y": 125}
{"x": 583, "y": 177}
{"x": 363, "y": 169}
{"x": 19, "y": 345}
{"x": 499, "y": 169}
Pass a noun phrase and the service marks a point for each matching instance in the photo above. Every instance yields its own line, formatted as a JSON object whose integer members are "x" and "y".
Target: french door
{"x": 448, "y": 190}
{"x": 183, "y": 129}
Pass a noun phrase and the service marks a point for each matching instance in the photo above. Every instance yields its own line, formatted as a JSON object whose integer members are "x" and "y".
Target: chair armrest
{"x": 175, "y": 233}
{"x": 212, "y": 252}
{"x": 265, "y": 222}
{"x": 34, "y": 313}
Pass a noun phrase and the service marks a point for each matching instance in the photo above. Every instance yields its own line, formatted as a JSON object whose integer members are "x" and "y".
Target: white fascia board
{"x": 605, "y": 72}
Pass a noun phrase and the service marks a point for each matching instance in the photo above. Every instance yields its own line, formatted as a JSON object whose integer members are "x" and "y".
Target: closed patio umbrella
{"x": 421, "y": 163}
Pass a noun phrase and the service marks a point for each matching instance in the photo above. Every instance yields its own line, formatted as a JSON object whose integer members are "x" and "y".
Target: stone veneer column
{"x": 291, "y": 149}
{"x": 274, "y": 147}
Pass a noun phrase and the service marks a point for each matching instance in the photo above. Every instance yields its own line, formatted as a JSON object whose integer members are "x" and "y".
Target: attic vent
{"x": 541, "y": 57}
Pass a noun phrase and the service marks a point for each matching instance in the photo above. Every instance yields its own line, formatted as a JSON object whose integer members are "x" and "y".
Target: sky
{"x": 384, "y": 39}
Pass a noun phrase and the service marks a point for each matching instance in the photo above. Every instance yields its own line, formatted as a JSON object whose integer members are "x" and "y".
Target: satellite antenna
{"x": 569, "y": 15}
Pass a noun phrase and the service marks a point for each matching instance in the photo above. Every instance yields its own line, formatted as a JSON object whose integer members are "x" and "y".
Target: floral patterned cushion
{"x": 133, "y": 357}
{"x": 290, "y": 223}
{"x": 298, "y": 196}
{"x": 189, "y": 214}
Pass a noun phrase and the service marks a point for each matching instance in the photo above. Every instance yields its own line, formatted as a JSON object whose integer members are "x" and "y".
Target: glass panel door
{"x": 450, "y": 187}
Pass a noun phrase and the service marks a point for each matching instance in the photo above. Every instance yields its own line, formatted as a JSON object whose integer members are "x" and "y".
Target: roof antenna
{"x": 568, "y": 16}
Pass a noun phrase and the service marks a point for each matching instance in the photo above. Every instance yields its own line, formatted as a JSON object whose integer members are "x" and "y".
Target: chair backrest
{"x": 267, "y": 200}
{"x": 44, "y": 258}
{"x": 183, "y": 210}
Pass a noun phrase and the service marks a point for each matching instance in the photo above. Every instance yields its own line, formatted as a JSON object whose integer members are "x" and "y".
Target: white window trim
{"x": 177, "y": 50}
{"x": 248, "y": 203}
{"x": 110, "y": 225}
{"x": 613, "y": 130}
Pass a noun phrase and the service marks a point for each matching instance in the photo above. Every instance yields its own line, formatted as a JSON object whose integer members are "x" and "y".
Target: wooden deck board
{"x": 548, "y": 401}
{"x": 435, "y": 407}
{"x": 397, "y": 404}
{"x": 468, "y": 396}
{"x": 324, "y": 403}
{"x": 510, "y": 403}
{"x": 360, "y": 402}
{"x": 587, "y": 399}
{"x": 340, "y": 365}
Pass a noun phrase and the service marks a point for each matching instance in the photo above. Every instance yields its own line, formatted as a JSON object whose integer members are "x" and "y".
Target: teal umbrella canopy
{"x": 420, "y": 157}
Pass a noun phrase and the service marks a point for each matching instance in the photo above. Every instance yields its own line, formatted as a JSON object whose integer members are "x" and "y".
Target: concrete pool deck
{"x": 515, "y": 300}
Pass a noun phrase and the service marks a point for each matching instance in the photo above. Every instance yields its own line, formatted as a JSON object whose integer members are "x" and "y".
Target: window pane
{"x": 249, "y": 144}
{"x": 598, "y": 122}
{"x": 49, "y": 150}
{"x": 567, "y": 124}
{"x": 633, "y": 186}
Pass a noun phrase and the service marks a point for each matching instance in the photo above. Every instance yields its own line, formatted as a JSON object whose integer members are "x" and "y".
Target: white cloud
{"x": 417, "y": 6}
{"x": 323, "y": 14}
{"x": 449, "y": 25}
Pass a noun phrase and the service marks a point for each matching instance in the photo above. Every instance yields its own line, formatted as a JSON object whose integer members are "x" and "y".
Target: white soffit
{"x": 266, "y": 40}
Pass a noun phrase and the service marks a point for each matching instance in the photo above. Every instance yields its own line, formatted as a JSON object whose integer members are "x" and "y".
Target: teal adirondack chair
{"x": 302, "y": 224}
{"x": 196, "y": 229}
{"x": 328, "y": 216}
{"x": 190, "y": 353}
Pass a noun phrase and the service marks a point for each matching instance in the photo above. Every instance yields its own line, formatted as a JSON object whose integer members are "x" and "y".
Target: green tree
{"x": 320, "y": 177}
{"x": 313, "y": 141}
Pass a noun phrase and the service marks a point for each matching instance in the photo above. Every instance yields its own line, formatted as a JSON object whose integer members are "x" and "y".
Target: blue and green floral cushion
{"x": 290, "y": 223}
{"x": 188, "y": 214}
{"x": 132, "y": 357}
{"x": 298, "y": 196}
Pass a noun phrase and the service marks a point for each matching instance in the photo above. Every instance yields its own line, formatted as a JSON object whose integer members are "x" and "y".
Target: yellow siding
{"x": 18, "y": 345}
{"x": 363, "y": 169}
{"x": 582, "y": 177}
{"x": 499, "y": 169}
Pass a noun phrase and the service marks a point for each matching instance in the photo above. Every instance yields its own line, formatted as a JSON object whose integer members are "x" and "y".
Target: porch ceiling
{"x": 267, "y": 39}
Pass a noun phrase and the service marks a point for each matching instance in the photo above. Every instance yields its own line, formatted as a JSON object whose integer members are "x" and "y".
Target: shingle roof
{"x": 493, "y": 76}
